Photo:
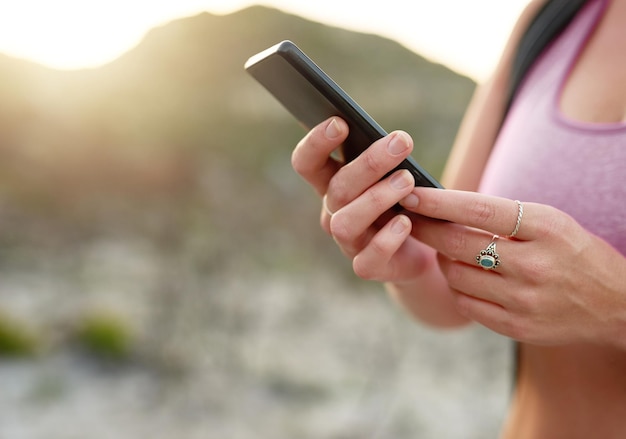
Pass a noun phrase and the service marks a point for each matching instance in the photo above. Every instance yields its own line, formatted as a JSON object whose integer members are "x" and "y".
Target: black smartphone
{"x": 312, "y": 97}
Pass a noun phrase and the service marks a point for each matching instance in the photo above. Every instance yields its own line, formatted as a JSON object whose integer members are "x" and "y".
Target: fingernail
{"x": 410, "y": 201}
{"x": 402, "y": 179}
{"x": 333, "y": 130}
{"x": 400, "y": 224}
{"x": 398, "y": 144}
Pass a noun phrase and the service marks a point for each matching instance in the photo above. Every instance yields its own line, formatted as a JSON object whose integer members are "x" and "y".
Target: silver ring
{"x": 520, "y": 213}
{"x": 488, "y": 258}
{"x": 325, "y": 206}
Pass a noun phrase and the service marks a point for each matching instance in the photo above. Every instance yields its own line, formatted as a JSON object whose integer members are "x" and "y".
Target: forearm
{"x": 428, "y": 297}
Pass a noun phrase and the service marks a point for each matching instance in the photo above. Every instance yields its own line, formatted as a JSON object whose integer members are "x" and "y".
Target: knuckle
{"x": 462, "y": 304}
{"x": 454, "y": 275}
{"x": 296, "y": 163}
{"x": 377, "y": 200}
{"x": 431, "y": 204}
{"x": 373, "y": 163}
{"x": 379, "y": 248}
{"x": 536, "y": 271}
{"x": 374, "y": 260}
{"x": 325, "y": 224}
{"x": 527, "y": 301}
{"x": 340, "y": 190}
{"x": 554, "y": 223}
{"x": 363, "y": 269}
{"x": 340, "y": 228}
{"x": 482, "y": 211}
{"x": 550, "y": 226}
{"x": 455, "y": 243}
{"x": 300, "y": 157}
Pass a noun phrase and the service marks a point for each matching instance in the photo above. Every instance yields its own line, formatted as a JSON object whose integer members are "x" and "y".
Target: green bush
{"x": 16, "y": 338}
{"x": 105, "y": 335}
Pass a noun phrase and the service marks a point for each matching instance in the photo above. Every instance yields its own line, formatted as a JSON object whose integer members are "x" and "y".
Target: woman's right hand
{"x": 356, "y": 202}
{"x": 357, "y": 213}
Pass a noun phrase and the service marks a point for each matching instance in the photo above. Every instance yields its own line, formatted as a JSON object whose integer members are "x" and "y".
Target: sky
{"x": 466, "y": 35}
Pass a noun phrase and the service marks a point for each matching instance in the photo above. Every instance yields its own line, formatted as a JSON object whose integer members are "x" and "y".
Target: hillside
{"x": 176, "y": 128}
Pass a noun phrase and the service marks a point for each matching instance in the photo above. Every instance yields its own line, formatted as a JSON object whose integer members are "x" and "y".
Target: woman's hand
{"x": 357, "y": 200}
{"x": 555, "y": 284}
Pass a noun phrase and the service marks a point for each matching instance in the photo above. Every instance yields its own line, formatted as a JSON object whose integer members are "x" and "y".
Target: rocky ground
{"x": 244, "y": 357}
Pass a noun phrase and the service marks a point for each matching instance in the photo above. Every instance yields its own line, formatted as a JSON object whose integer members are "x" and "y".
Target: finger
{"x": 460, "y": 243}
{"x": 496, "y": 215}
{"x": 325, "y": 215}
{"x": 488, "y": 314}
{"x": 353, "y": 219}
{"x": 311, "y": 156}
{"x": 473, "y": 281}
{"x": 375, "y": 261}
{"x": 367, "y": 169}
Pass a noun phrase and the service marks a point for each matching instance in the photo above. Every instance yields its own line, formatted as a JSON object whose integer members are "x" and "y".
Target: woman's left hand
{"x": 556, "y": 283}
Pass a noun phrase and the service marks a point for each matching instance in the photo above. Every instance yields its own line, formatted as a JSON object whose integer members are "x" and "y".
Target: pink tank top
{"x": 542, "y": 156}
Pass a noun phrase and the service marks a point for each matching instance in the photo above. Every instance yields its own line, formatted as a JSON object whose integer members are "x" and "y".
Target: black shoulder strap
{"x": 552, "y": 18}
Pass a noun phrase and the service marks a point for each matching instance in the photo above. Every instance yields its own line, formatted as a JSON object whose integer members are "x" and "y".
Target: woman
{"x": 549, "y": 271}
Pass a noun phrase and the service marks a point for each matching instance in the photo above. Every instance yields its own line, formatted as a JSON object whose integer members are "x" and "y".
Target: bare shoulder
{"x": 526, "y": 16}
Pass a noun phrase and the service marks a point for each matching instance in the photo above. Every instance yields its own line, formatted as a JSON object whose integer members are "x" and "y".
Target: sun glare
{"x": 70, "y": 34}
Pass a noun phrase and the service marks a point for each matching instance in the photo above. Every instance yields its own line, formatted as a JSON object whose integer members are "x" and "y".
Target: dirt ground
{"x": 248, "y": 357}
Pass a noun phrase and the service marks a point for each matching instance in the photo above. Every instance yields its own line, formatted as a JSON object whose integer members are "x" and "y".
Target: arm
{"x": 463, "y": 171}
{"x": 357, "y": 202}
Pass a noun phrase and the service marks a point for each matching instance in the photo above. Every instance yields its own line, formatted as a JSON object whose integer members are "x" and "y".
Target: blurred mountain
{"x": 175, "y": 142}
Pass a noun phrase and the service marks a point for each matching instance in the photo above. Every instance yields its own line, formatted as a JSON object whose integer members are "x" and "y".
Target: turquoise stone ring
{"x": 488, "y": 258}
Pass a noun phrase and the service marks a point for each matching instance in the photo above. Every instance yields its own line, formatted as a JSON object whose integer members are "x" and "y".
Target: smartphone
{"x": 311, "y": 96}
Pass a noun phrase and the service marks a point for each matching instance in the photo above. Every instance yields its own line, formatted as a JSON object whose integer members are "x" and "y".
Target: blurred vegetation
{"x": 106, "y": 336}
{"x": 17, "y": 338}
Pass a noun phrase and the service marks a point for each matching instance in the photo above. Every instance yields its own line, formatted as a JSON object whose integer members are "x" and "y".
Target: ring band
{"x": 488, "y": 258}
{"x": 325, "y": 206}
{"x": 520, "y": 213}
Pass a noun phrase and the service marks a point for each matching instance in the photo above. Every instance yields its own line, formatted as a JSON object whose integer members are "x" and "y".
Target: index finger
{"x": 311, "y": 157}
{"x": 496, "y": 215}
